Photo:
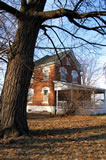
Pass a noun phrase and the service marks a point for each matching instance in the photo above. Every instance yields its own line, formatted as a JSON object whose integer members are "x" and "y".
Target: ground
{"x": 59, "y": 138}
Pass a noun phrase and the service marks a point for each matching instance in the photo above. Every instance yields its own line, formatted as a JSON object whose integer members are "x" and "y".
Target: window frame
{"x": 63, "y": 73}
{"x": 48, "y": 91}
{"x": 46, "y": 71}
{"x": 74, "y": 74}
{"x": 30, "y": 95}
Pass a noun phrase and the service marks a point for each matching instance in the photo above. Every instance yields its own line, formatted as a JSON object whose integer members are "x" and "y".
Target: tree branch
{"x": 77, "y": 5}
{"x": 91, "y": 43}
{"x": 23, "y": 4}
{"x": 3, "y": 59}
{"x": 9, "y": 9}
{"x": 89, "y": 28}
{"x": 45, "y": 33}
{"x": 69, "y": 14}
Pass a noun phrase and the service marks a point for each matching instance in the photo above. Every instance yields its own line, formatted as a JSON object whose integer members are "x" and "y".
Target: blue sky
{"x": 71, "y": 42}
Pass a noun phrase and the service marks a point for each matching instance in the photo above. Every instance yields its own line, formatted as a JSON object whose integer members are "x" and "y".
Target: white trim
{"x": 30, "y": 94}
{"x": 45, "y": 65}
{"x": 47, "y": 96}
{"x": 34, "y": 108}
{"x": 45, "y": 102}
{"x": 45, "y": 88}
{"x": 58, "y": 85}
{"x": 46, "y": 68}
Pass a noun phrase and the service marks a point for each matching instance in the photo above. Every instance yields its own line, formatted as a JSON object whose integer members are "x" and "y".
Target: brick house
{"x": 56, "y": 84}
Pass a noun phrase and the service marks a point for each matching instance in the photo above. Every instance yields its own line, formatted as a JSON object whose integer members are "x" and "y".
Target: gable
{"x": 55, "y": 59}
{"x": 69, "y": 59}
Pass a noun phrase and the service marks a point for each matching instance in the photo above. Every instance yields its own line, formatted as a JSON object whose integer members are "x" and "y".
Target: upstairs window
{"x": 30, "y": 95}
{"x": 67, "y": 61}
{"x": 46, "y": 71}
{"x": 45, "y": 92}
{"x": 63, "y": 73}
{"x": 74, "y": 76}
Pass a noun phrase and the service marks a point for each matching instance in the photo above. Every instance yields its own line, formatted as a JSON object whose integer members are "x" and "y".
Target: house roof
{"x": 54, "y": 58}
{"x": 59, "y": 85}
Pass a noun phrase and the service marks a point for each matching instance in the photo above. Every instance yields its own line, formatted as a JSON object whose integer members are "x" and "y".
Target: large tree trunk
{"x": 17, "y": 80}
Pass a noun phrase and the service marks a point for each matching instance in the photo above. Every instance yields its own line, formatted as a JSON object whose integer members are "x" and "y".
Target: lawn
{"x": 59, "y": 138}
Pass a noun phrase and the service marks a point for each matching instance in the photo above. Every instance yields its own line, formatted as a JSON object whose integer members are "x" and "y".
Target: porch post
{"x": 105, "y": 99}
{"x": 93, "y": 93}
{"x": 56, "y": 101}
{"x": 71, "y": 95}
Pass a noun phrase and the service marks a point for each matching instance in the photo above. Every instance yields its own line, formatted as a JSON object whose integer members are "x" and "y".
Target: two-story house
{"x": 56, "y": 84}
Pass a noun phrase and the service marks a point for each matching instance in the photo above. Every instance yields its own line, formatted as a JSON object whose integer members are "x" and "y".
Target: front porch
{"x": 79, "y": 99}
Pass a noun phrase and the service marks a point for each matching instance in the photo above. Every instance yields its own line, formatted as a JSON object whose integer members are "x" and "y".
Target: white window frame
{"x": 30, "y": 95}
{"x": 63, "y": 73}
{"x": 74, "y": 74}
{"x": 46, "y": 71}
{"x": 47, "y": 98}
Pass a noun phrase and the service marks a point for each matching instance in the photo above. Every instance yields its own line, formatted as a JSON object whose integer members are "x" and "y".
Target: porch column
{"x": 71, "y": 95}
{"x": 56, "y": 101}
{"x": 93, "y": 94}
{"x": 105, "y": 99}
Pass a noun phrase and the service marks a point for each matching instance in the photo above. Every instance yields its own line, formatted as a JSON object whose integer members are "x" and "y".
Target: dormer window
{"x": 67, "y": 61}
{"x": 74, "y": 76}
{"x": 46, "y": 71}
{"x": 63, "y": 73}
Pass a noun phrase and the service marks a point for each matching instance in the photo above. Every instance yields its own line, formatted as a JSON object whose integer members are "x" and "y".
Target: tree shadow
{"x": 49, "y": 141}
{"x": 64, "y": 131}
{"x": 39, "y": 135}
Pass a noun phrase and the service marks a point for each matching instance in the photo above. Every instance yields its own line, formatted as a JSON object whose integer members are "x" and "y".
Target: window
{"x": 46, "y": 71}
{"x": 63, "y": 73}
{"x": 45, "y": 92}
{"x": 74, "y": 76}
{"x": 30, "y": 95}
{"x": 67, "y": 61}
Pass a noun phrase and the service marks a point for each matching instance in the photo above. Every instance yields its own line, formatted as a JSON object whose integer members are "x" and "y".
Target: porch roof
{"x": 59, "y": 85}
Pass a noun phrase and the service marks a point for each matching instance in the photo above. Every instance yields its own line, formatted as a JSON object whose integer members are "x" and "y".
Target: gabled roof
{"x": 54, "y": 58}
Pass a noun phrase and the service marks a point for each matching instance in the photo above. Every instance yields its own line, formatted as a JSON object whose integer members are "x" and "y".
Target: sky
{"x": 71, "y": 43}
{"x": 102, "y": 81}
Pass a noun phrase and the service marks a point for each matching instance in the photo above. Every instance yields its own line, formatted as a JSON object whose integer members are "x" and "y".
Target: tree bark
{"x": 17, "y": 80}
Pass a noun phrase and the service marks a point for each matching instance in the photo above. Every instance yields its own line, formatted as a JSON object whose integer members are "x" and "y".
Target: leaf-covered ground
{"x": 59, "y": 138}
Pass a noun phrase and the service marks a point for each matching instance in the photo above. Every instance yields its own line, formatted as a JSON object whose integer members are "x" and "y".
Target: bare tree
{"x": 104, "y": 71}
{"x": 91, "y": 70}
{"x": 31, "y": 16}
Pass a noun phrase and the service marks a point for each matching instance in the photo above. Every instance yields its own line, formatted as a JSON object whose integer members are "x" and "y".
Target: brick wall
{"x": 39, "y": 84}
{"x": 54, "y": 74}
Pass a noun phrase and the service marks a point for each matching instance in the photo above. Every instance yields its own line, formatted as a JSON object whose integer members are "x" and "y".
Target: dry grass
{"x": 59, "y": 138}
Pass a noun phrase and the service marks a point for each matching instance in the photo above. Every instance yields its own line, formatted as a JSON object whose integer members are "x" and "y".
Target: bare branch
{"x": 45, "y": 32}
{"x": 3, "y": 59}
{"x": 91, "y": 43}
{"x": 101, "y": 19}
{"x": 69, "y": 14}
{"x": 4, "y": 50}
{"x": 40, "y": 47}
{"x": 77, "y": 5}
{"x": 58, "y": 38}
{"x": 23, "y": 4}
{"x": 9, "y": 9}
{"x": 89, "y": 28}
